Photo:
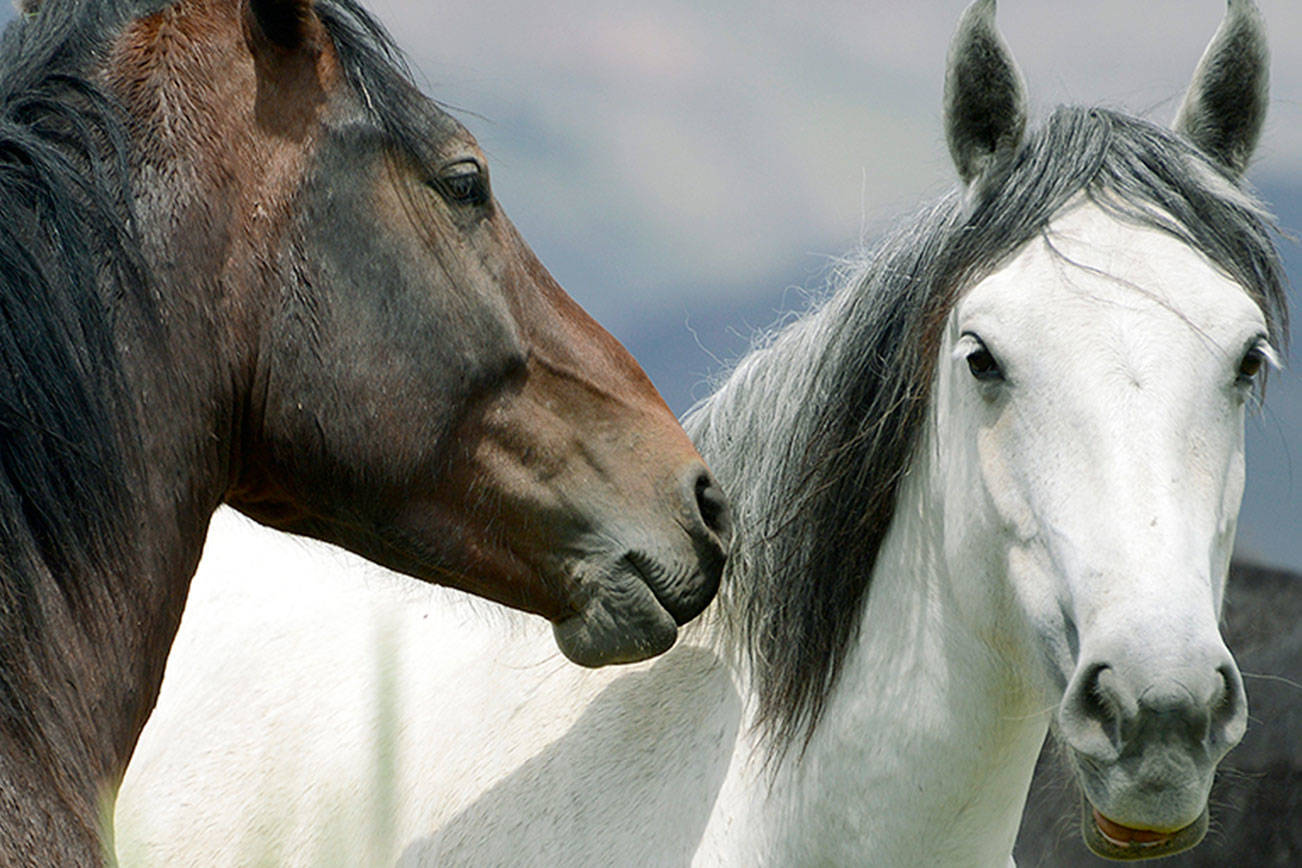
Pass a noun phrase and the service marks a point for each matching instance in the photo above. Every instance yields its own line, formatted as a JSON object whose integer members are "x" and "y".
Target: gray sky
{"x": 684, "y": 144}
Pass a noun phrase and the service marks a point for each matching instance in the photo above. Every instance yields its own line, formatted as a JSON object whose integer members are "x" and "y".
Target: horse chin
{"x": 622, "y": 621}
{"x": 1112, "y": 840}
{"x": 1130, "y": 813}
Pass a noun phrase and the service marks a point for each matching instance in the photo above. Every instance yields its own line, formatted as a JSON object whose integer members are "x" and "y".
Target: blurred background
{"x": 691, "y": 171}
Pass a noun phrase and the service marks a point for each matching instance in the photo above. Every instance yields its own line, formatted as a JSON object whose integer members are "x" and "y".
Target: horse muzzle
{"x": 1145, "y": 741}
{"x": 632, "y": 607}
{"x": 634, "y": 610}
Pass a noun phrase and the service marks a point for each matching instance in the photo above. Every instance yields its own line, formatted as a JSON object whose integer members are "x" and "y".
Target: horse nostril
{"x": 1223, "y": 694}
{"x": 1109, "y": 711}
{"x": 1094, "y": 712}
{"x": 1229, "y": 708}
{"x": 1096, "y": 701}
{"x": 713, "y": 507}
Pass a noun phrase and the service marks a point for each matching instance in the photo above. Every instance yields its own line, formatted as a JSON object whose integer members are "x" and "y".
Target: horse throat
{"x": 926, "y": 749}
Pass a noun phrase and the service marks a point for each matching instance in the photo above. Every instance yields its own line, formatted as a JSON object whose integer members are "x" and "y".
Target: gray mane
{"x": 812, "y": 432}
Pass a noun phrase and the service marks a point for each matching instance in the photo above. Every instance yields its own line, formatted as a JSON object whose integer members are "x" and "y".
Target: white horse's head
{"x": 1090, "y": 406}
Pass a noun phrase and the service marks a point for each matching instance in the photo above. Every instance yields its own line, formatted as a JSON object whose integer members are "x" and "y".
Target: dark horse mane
{"x": 813, "y": 431}
{"x": 72, "y": 278}
{"x": 67, "y": 256}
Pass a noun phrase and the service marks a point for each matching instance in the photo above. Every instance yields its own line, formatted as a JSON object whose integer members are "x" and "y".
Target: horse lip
{"x": 617, "y": 622}
{"x": 1124, "y": 836}
{"x": 1111, "y": 840}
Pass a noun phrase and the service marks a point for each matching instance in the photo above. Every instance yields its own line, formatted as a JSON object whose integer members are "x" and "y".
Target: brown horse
{"x": 244, "y": 260}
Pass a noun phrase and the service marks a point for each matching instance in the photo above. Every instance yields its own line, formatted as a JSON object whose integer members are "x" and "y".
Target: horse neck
{"x": 79, "y": 686}
{"x": 925, "y": 751}
{"x": 80, "y": 683}
{"x": 211, "y": 212}
{"x": 83, "y": 648}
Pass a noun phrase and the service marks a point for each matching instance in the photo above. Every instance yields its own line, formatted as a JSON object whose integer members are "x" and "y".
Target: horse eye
{"x": 983, "y": 365}
{"x": 463, "y": 183}
{"x": 1251, "y": 365}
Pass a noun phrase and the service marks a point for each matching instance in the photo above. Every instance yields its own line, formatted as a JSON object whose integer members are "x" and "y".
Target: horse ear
{"x": 985, "y": 97}
{"x": 1226, "y": 104}
{"x": 285, "y": 23}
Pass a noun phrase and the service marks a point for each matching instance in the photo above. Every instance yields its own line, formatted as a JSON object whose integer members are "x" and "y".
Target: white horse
{"x": 989, "y": 485}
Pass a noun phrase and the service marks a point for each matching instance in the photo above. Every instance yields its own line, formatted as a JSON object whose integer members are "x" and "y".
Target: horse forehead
{"x": 1092, "y": 271}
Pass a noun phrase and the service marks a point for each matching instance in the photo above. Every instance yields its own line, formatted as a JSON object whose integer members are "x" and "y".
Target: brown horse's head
{"x": 409, "y": 381}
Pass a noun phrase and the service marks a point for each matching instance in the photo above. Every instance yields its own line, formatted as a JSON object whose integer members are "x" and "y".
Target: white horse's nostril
{"x": 1230, "y": 709}
{"x": 1121, "y": 705}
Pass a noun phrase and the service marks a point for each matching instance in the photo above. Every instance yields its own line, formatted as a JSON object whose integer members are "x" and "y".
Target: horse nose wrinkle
{"x": 1171, "y": 706}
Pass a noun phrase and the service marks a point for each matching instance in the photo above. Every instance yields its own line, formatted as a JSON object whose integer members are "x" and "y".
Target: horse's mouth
{"x": 623, "y": 620}
{"x": 1111, "y": 840}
